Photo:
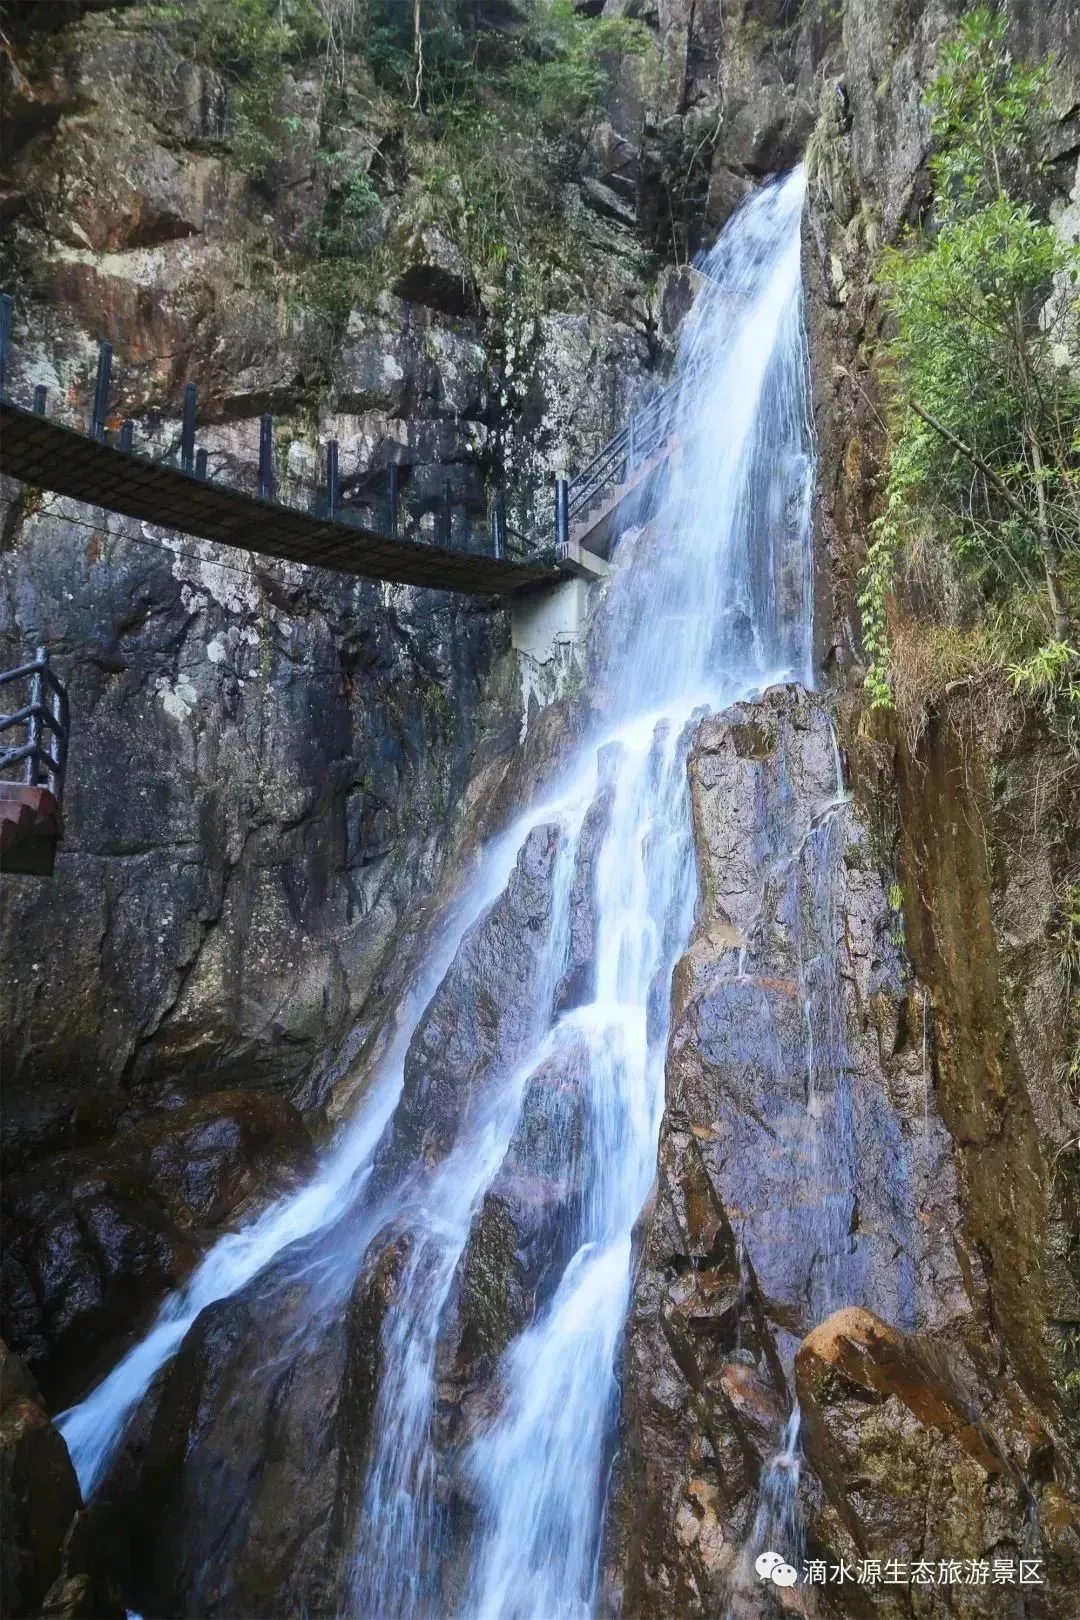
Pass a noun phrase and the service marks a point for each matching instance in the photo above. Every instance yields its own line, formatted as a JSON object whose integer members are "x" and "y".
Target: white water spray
{"x": 708, "y": 604}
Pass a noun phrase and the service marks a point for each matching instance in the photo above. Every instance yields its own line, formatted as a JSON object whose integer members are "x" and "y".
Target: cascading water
{"x": 710, "y": 602}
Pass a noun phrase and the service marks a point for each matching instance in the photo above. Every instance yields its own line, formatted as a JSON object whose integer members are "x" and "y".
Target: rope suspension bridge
{"x": 105, "y": 469}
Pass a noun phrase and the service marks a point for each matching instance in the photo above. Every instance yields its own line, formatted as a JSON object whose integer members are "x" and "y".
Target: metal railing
{"x": 644, "y": 435}
{"x": 40, "y": 760}
{"x": 325, "y": 497}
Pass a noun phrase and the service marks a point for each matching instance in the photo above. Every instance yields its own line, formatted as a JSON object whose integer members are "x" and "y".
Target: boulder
{"x": 39, "y": 1494}
{"x": 97, "y": 1235}
{"x": 924, "y": 1459}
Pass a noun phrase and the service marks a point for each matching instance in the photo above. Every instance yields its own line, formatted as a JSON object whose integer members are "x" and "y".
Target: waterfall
{"x": 709, "y": 602}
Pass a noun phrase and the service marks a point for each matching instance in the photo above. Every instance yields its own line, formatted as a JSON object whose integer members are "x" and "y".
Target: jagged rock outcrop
{"x": 807, "y": 1162}
{"x": 96, "y": 1235}
{"x": 40, "y": 1491}
{"x": 481, "y": 1019}
{"x": 48, "y": 1564}
{"x": 247, "y": 1436}
{"x": 926, "y": 1458}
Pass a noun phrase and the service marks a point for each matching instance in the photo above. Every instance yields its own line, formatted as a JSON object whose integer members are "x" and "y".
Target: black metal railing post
{"x": 127, "y": 434}
{"x": 266, "y": 458}
{"x": 446, "y": 513}
{"x": 200, "y": 465}
{"x": 101, "y": 391}
{"x": 562, "y": 512}
{"x": 393, "y": 496}
{"x": 41, "y": 394}
{"x": 6, "y": 318}
{"x": 187, "y": 432}
{"x": 332, "y": 484}
{"x": 33, "y": 720}
{"x": 496, "y": 524}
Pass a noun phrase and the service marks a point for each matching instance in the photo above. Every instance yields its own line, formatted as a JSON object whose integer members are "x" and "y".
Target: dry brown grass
{"x": 932, "y": 662}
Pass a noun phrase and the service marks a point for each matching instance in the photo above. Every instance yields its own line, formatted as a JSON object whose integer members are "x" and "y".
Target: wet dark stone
{"x": 39, "y": 1494}
{"x": 96, "y": 1237}
{"x": 482, "y": 1018}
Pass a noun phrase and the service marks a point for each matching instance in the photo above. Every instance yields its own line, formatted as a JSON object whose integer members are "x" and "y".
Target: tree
{"x": 985, "y": 456}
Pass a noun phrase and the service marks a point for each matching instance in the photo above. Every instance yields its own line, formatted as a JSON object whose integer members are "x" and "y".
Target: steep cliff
{"x": 276, "y": 774}
{"x": 267, "y": 761}
{"x": 954, "y": 997}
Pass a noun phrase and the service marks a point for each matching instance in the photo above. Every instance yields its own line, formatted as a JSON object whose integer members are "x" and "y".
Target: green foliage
{"x": 248, "y": 42}
{"x": 985, "y": 458}
{"x": 1051, "y": 673}
{"x": 352, "y": 203}
{"x": 564, "y": 67}
{"x": 476, "y": 142}
{"x": 496, "y": 132}
{"x": 991, "y": 117}
{"x": 1068, "y": 938}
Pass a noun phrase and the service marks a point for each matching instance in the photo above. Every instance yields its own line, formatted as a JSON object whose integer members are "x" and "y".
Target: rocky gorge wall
{"x": 267, "y": 787}
{"x": 267, "y": 762}
{"x": 955, "y": 1427}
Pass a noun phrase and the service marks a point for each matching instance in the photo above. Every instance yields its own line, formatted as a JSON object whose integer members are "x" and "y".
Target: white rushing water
{"x": 93, "y": 1430}
{"x": 708, "y": 604}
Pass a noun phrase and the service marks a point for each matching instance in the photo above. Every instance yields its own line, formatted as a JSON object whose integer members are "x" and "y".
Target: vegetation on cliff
{"x": 471, "y": 130}
{"x": 984, "y": 470}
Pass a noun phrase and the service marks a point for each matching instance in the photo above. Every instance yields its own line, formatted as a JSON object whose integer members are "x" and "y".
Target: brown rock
{"x": 97, "y": 1235}
{"x": 39, "y": 1494}
{"x": 853, "y": 1347}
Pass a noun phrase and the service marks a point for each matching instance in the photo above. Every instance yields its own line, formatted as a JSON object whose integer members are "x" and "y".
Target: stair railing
{"x": 42, "y": 759}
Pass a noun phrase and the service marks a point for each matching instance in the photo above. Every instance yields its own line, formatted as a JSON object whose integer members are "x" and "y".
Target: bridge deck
{"x": 48, "y": 455}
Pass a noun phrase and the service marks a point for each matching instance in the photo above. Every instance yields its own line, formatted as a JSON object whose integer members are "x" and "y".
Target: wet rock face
{"x": 223, "y": 1499}
{"x": 238, "y": 1487}
{"x": 923, "y": 1459}
{"x": 798, "y": 1170}
{"x": 482, "y": 1016}
{"x": 97, "y": 1235}
{"x": 522, "y": 1237}
{"x": 266, "y": 761}
{"x": 49, "y": 1563}
{"x": 814, "y": 1184}
{"x": 40, "y": 1494}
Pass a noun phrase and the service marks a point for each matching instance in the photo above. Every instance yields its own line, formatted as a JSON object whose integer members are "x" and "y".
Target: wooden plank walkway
{"x": 48, "y": 455}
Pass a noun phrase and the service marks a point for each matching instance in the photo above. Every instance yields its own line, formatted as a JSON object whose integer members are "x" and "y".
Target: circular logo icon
{"x": 766, "y": 1562}
{"x": 785, "y": 1574}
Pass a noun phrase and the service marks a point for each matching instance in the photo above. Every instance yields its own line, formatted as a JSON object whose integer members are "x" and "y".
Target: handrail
{"x": 646, "y": 431}
{"x": 639, "y": 441}
{"x": 47, "y": 710}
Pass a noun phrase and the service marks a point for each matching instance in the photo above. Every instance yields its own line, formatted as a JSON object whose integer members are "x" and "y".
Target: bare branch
{"x": 976, "y": 460}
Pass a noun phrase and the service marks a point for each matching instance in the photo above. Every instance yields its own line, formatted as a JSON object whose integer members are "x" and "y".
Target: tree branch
{"x": 976, "y": 460}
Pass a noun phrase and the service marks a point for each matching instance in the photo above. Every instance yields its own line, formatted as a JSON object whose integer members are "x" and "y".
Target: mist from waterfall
{"x": 710, "y": 602}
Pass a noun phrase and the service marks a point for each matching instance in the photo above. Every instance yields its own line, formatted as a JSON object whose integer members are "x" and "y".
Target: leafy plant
{"x": 564, "y": 69}
{"x": 248, "y": 42}
{"x": 985, "y": 458}
{"x": 351, "y": 204}
{"x": 1068, "y": 938}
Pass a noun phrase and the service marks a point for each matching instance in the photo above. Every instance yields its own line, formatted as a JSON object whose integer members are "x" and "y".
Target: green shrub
{"x": 248, "y": 43}
{"x": 985, "y": 420}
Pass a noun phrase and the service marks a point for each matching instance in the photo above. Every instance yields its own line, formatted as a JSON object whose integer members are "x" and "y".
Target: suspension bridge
{"x": 105, "y": 469}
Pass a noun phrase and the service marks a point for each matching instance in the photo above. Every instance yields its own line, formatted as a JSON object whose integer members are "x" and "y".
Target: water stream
{"x": 709, "y": 605}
